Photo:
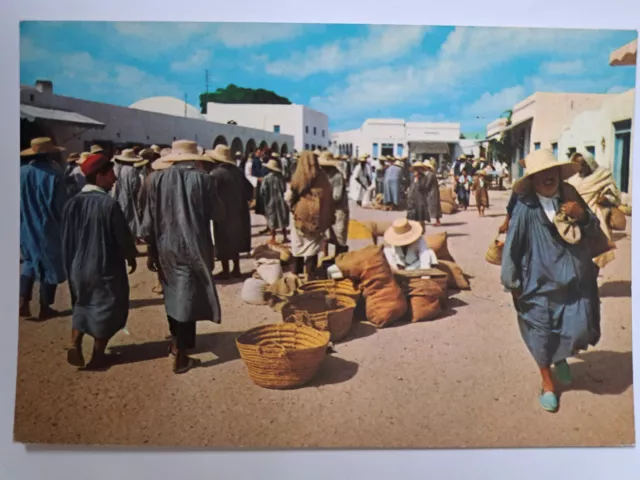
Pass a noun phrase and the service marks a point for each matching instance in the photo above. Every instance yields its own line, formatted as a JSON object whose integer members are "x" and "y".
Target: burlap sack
{"x": 457, "y": 279}
{"x": 425, "y": 299}
{"x": 351, "y": 263}
{"x": 385, "y": 301}
{"x": 448, "y": 208}
{"x": 617, "y": 220}
{"x": 314, "y": 212}
{"x": 438, "y": 243}
{"x": 447, "y": 195}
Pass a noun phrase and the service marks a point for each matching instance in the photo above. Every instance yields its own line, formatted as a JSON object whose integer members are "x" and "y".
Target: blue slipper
{"x": 549, "y": 401}
{"x": 563, "y": 372}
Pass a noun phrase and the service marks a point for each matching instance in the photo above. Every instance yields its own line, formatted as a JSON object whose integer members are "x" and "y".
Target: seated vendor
{"x": 407, "y": 248}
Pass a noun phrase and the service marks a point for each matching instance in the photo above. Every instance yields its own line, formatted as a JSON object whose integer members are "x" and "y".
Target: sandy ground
{"x": 465, "y": 380}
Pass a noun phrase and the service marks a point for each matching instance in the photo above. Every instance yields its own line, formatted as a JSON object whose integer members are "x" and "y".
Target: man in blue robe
{"x": 97, "y": 242}
{"x": 552, "y": 277}
{"x": 42, "y": 199}
{"x": 392, "y": 185}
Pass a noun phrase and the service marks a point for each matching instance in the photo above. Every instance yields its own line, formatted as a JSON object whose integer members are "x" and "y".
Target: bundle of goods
{"x": 438, "y": 242}
{"x": 448, "y": 201}
{"x": 284, "y": 355}
{"x": 440, "y": 278}
{"x": 325, "y": 312}
{"x": 332, "y": 287}
{"x": 271, "y": 252}
{"x": 617, "y": 219}
{"x": 446, "y": 263}
{"x": 425, "y": 299}
{"x": 282, "y": 290}
{"x": 254, "y": 291}
{"x": 269, "y": 270}
{"x": 494, "y": 253}
{"x": 385, "y": 302}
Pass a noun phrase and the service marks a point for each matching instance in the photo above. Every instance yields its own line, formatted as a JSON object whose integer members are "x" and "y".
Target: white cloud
{"x": 199, "y": 59}
{"x": 382, "y": 42}
{"x": 490, "y": 105}
{"x": 570, "y": 67}
{"x": 466, "y": 53}
{"x": 240, "y": 35}
{"x": 29, "y": 51}
{"x": 618, "y": 89}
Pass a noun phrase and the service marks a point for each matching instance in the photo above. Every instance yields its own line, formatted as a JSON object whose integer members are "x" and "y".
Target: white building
{"x": 76, "y": 124}
{"x": 380, "y": 137}
{"x": 539, "y": 120}
{"x": 309, "y": 128}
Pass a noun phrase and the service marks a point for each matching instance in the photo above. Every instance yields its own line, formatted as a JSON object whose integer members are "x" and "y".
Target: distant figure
{"x": 392, "y": 185}
{"x": 360, "y": 181}
{"x": 380, "y": 169}
{"x": 417, "y": 201}
{"x": 480, "y": 188}
{"x": 432, "y": 190}
{"x": 97, "y": 243}
{"x": 339, "y": 231}
{"x": 463, "y": 187}
{"x": 42, "y": 198}
{"x": 273, "y": 190}
{"x": 127, "y": 187}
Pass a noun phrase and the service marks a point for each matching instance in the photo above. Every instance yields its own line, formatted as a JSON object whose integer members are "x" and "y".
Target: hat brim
{"x": 141, "y": 163}
{"x": 329, "y": 163}
{"x": 219, "y": 159}
{"x": 187, "y": 157}
{"x": 120, "y": 158}
{"x": 273, "y": 169}
{"x": 402, "y": 240}
{"x": 29, "y": 152}
{"x": 567, "y": 170}
{"x": 161, "y": 164}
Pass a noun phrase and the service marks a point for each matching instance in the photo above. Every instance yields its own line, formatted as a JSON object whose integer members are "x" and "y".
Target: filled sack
{"x": 282, "y": 290}
{"x": 457, "y": 280}
{"x": 351, "y": 263}
{"x": 447, "y": 195}
{"x": 448, "y": 208}
{"x": 438, "y": 243}
{"x": 385, "y": 301}
{"x": 617, "y": 220}
{"x": 269, "y": 270}
{"x": 425, "y": 299}
{"x": 254, "y": 291}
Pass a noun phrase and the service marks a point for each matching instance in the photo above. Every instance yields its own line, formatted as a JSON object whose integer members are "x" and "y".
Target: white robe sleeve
{"x": 390, "y": 254}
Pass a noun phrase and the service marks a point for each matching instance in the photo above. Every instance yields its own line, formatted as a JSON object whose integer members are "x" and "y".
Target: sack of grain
{"x": 447, "y": 195}
{"x": 425, "y": 299}
{"x": 448, "y": 208}
{"x": 351, "y": 263}
{"x": 457, "y": 279}
{"x": 617, "y": 220}
{"x": 253, "y": 291}
{"x": 439, "y": 244}
{"x": 269, "y": 270}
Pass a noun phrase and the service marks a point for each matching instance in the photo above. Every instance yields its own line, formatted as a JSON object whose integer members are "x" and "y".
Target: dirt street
{"x": 464, "y": 380}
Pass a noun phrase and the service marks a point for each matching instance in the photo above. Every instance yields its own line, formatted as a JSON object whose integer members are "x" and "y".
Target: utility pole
{"x": 206, "y": 90}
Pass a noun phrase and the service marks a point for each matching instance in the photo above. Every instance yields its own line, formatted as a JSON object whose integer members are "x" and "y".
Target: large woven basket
{"x": 282, "y": 356}
{"x": 322, "y": 311}
{"x": 335, "y": 287}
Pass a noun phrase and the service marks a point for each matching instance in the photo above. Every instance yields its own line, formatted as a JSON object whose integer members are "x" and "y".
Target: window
{"x": 400, "y": 149}
{"x": 554, "y": 147}
{"x": 571, "y": 151}
{"x": 387, "y": 149}
{"x": 374, "y": 150}
{"x": 306, "y": 146}
{"x": 306, "y": 129}
{"x": 276, "y": 129}
{"x": 313, "y": 147}
{"x": 536, "y": 146}
{"x": 323, "y": 135}
{"x": 592, "y": 150}
{"x": 315, "y": 131}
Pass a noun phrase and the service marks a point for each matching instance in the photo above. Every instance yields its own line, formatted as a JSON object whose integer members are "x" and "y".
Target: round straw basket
{"x": 335, "y": 287}
{"x": 494, "y": 253}
{"x": 323, "y": 311}
{"x": 282, "y": 356}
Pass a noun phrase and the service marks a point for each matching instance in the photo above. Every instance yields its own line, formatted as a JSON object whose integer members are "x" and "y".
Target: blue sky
{"x": 350, "y": 72}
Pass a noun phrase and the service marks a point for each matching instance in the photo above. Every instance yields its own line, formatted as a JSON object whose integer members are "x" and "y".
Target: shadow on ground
{"x": 334, "y": 370}
{"x": 616, "y": 289}
{"x": 602, "y": 373}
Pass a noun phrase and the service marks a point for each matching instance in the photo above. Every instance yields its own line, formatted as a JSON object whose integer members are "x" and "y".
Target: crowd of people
{"x": 84, "y": 223}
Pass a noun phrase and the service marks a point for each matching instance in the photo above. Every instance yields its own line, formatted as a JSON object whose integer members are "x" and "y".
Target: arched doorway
{"x": 263, "y": 145}
{"x": 220, "y": 140}
{"x": 275, "y": 147}
{"x": 284, "y": 149}
{"x": 251, "y": 146}
{"x": 236, "y": 146}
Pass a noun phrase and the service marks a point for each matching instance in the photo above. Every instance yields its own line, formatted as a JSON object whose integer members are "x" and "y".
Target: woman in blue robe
{"x": 553, "y": 282}
{"x": 392, "y": 185}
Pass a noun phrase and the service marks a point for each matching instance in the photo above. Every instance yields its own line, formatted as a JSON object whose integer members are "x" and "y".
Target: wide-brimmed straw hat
{"x": 238, "y": 154}
{"x": 83, "y": 157}
{"x": 328, "y": 160}
{"x": 185, "y": 151}
{"x": 221, "y": 154}
{"x": 161, "y": 164}
{"x": 275, "y": 155}
{"x": 403, "y": 232}
{"x": 128, "y": 155}
{"x": 539, "y": 161}
{"x": 141, "y": 163}
{"x": 164, "y": 152}
{"x": 273, "y": 165}
{"x": 96, "y": 149}
{"x": 73, "y": 157}
{"x": 420, "y": 165}
{"x": 363, "y": 158}
{"x": 156, "y": 149}
{"x": 462, "y": 157}
{"x": 40, "y": 146}
{"x": 399, "y": 163}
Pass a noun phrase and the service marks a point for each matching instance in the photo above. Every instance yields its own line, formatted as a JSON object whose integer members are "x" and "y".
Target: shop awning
{"x": 434, "y": 148}
{"x": 626, "y": 55}
{"x": 31, "y": 113}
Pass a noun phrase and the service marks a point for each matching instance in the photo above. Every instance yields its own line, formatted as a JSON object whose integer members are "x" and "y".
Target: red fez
{"x": 93, "y": 164}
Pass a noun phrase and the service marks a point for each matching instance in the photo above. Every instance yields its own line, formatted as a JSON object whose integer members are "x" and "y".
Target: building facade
{"x": 75, "y": 124}
{"x": 380, "y": 137}
{"x": 309, "y": 128}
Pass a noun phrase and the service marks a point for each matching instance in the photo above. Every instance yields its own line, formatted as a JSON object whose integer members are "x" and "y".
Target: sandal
{"x": 75, "y": 357}
{"x": 563, "y": 372}
{"x": 549, "y": 401}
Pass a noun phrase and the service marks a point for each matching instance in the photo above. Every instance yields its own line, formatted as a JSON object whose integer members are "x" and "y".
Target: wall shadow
{"x": 615, "y": 289}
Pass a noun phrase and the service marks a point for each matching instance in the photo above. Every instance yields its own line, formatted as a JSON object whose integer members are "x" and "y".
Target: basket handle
{"x": 283, "y": 353}
{"x": 301, "y": 319}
